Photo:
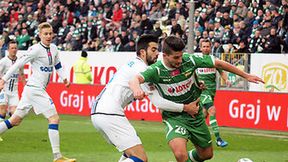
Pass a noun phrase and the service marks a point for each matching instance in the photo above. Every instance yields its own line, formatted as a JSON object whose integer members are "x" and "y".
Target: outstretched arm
{"x": 228, "y": 67}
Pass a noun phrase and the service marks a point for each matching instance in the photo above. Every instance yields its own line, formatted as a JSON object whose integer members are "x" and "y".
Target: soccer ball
{"x": 244, "y": 160}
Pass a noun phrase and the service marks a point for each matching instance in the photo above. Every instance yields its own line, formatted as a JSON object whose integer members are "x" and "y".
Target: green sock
{"x": 214, "y": 125}
{"x": 193, "y": 156}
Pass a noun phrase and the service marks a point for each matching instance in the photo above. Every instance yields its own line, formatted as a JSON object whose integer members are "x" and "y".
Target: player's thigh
{"x": 199, "y": 134}
{"x": 24, "y": 105}
{"x": 178, "y": 145}
{"x": 42, "y": 103}
{"x": 117, "y": 130}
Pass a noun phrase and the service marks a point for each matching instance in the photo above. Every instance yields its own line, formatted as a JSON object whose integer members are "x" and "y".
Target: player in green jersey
{"x": 208, "y": 76}
{"x": 174, "y": 78}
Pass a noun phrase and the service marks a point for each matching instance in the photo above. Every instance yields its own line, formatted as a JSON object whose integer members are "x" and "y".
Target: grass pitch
{"x": 29, "y": 143}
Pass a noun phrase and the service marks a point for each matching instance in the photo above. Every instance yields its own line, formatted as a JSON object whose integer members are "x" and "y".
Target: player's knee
{"x": 15, "y": 121}
{"x": 206, "y": 156}
{"x": 144, "y": 159}
{"x": 54, "y": 119}
{"x": 181, "y": 156}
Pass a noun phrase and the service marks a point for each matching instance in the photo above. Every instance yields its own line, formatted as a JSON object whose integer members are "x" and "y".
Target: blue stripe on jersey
{"x": 135, "y": 159}
{"x": 53, "y": 126}
{"x": 8, "y": 124}
{"x": 58, "y": 66}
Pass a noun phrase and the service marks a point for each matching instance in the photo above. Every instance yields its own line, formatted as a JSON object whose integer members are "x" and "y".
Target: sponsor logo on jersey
{"x": 178, "y": 88}
{"x": 46, "y": 69}
{"x": 206, "y": 70}
{"x": 275, "y": 76}
{"x": 175, "y": 72}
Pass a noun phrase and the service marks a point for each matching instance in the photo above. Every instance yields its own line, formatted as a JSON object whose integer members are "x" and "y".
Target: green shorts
{"x": 206, "y": 101}
{"x": 198, "y": 134}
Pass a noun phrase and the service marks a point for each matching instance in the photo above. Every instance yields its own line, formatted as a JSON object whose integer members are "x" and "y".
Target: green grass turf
{"x": 29, "y": 143}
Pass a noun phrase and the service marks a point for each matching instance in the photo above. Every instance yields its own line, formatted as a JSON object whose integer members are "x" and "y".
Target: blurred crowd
{"x": 243, "y": 26}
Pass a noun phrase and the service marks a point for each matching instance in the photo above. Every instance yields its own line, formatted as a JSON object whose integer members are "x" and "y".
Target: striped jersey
{"x": 208, "y": 75}
{"x": 43, "y": 59}
{"x": 178, "y": 85}
{"x": 11, "y": 86}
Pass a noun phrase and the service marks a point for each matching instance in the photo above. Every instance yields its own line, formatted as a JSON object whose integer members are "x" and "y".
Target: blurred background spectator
{"x": 110, "y": 25}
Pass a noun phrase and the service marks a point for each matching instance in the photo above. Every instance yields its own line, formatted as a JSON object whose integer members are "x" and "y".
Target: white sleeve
{"x": 59, "y": 68}
{"x": 1, "y": 68}
{"x": 160, "y": 102}
{"x": 20, "y": 63}
{"x": 164, "y": 104}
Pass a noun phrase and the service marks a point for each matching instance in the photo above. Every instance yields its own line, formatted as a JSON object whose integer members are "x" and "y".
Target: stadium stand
{"x": 97, "y": 25}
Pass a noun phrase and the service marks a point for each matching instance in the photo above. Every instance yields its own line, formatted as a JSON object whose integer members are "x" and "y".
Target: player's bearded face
{"x": 46, "y": 35}
{"x": 152, "y": 53}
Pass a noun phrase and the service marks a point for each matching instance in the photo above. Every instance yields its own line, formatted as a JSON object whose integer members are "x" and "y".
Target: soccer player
{"x": 208, "y": 76}
{"x": 43, "y": 57}
{"x": 107, "y": 113}
{"x": 9, "y": 95}
{"x": 174, "y": 78}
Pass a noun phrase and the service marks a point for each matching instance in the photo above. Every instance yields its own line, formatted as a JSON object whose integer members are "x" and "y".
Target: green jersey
{"x": 208, "y": 76}
{"x": 178, "y": 85}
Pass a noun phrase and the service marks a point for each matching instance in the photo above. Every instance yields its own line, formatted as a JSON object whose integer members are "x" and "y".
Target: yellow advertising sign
{"x": 275, "y": 76}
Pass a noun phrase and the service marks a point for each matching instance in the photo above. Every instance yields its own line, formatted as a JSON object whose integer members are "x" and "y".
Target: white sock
{"x": 54, "y": 140}
{"x": 122, "y": 158}
{"x": 128, "y": 160}
{"x": 3, "y": 127}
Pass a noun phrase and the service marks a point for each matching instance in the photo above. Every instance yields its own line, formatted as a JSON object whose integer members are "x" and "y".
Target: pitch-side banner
{"x": 261, "y": 110}
{"x": 77, "y": 100}
{"x": 273, "y": 68}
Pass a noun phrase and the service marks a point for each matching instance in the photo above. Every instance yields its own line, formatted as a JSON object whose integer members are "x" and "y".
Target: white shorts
{"x": 7, "y": 99}
{"x": 38, "y": 99}
{"x": 116, "y": 130}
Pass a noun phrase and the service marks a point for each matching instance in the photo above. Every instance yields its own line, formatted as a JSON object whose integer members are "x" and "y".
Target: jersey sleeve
{"x": 203, "y": 61}
{"x": 59, "y": 68}
{"x": 150, "y": 74}
{"x": 29, "y": 56}
{"x": 164, "y": 104}
{"x": 1, "y": 68}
